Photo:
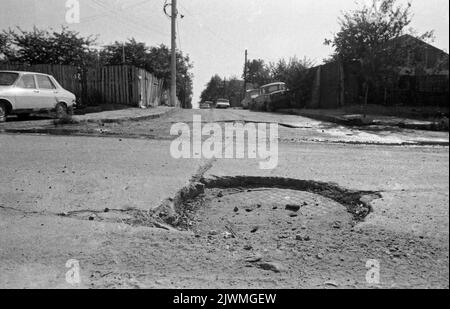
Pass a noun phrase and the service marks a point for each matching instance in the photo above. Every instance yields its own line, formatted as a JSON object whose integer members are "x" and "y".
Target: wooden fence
{"x": 151, "y": 88}
{"x": 122, "y": 84}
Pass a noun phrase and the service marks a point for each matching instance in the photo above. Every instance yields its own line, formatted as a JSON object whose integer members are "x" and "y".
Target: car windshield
{"x": 273, "y": 88}
{"x": 222, "y": 101}
{"x": 7, "y": 78}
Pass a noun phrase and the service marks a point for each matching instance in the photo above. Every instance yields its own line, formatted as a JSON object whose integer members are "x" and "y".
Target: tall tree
{"x": 218, "y": 88}
{"x": 372, "y": 36}
{"x": 258, "y": 72}
{"x": 290, "y": 71}
{"x": 294, "y": 72}
{"x": 214, "y": 89}
{"x": 133, "y": 52}
{"x": 234, "y": 90}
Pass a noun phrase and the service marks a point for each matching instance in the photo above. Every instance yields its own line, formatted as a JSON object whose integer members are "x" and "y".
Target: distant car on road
{"x": 23, "y": 93}
{"x": 206, "y": 105}
{"x": 223, "y": 103}
{"x": 273, "y": 96}
{"x": 250, "y": 95}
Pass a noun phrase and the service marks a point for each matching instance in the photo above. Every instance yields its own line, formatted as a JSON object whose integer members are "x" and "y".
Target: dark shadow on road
{"x": 13, "y": 119}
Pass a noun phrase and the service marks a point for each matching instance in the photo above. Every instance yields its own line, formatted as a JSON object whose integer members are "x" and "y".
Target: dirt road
{"x": 302, "y": 225}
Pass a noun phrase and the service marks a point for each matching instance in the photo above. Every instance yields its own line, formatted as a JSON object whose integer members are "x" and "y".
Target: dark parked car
{"x": 272, "y": 97}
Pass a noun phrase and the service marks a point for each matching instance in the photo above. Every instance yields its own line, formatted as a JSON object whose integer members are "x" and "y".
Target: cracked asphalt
{"x": 118, "y": 167}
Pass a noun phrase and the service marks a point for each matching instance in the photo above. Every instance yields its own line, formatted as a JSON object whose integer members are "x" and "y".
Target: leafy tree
{"x": 4, "y": 47}
{"x": 293, "y": 72}
{"x": 372, "y": 36}
{"x": 46, "y": 47}
{"x": 234, "y": 90}
{"x": 214, "y": 89}
{"x": 135, "y": 53}
{"x": 258, "y": 73}
{"x": 218, "y": 88}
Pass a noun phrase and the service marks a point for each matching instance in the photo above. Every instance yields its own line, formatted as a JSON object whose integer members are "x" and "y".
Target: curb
{"x": 359, "y": 123}
{"x": 327, "y": 118}
{"x": 124, "y": 119}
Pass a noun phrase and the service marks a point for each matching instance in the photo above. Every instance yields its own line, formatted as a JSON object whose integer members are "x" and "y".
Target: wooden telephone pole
{"x": 245, "y": 73}
{"x": 123, "y": 53}
{"x": 173, "y": 67}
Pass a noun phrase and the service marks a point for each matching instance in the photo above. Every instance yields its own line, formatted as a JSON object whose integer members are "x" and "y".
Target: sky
{"x": 216, "y": 33}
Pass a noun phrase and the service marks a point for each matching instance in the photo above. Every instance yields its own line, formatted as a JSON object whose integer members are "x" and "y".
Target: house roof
{"x": 406, "y": 38}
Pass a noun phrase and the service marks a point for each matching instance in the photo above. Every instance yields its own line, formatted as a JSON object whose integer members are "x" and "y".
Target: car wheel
{"x": 3, "y": 112}
{"x": 61, "y": 111}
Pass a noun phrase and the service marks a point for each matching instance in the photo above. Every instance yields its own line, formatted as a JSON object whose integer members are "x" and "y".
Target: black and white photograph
{"x": 224, "y": 152}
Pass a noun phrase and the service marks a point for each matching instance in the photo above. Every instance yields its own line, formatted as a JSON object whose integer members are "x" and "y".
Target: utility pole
{"x": 123, "y": 53}
{"x": 245, "y": 73}
{"x": 173, "y": 86}
{"x": 224, "y": 87}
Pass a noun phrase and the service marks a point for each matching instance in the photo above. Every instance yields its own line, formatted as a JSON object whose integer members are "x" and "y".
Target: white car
{"x": 23, "y": 93}
{"x": 223, "y": 103}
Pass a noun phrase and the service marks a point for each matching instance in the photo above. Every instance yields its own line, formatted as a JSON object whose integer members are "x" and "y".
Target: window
{"x": 45, "y": 82}
{"x": 271, "y": 89}
{"x": 7, "y": 79}
{"x": 27, "y": 82}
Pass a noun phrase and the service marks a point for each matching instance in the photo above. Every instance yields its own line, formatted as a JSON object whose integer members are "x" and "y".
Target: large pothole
{"x": 302, "y": 197}
{"x": 265, "y": 215}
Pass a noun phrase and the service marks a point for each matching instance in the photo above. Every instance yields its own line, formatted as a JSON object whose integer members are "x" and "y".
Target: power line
{"x": 126, "y": 20}
{"x": 111, "y": 13}
{"x": 92, "y": 18}
{"x": 136, "y": 5}
{"x": 98, "y": 16}
{"x": 212, "y": 33}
